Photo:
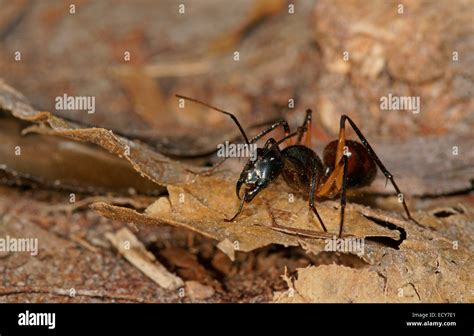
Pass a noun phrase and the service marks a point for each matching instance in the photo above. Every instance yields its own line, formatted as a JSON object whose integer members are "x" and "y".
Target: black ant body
{"x": 345, "y": 164}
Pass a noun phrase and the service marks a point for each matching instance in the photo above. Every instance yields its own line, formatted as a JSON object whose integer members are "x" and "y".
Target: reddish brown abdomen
{"x": 361, "y": 169}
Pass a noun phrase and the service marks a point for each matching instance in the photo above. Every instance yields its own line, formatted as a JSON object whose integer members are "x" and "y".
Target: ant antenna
{"x": 234, "y": 118}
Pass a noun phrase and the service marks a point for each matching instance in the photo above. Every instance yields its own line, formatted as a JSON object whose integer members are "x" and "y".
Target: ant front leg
{"x": 281, "y": 122}
{"x": 242, "y": 201}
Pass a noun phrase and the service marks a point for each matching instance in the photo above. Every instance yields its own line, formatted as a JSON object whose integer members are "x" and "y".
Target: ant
{"x": 346, "y": 164}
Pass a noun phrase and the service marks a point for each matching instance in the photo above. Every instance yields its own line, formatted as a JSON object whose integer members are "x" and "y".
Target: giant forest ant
{"x": 346, "y": 164}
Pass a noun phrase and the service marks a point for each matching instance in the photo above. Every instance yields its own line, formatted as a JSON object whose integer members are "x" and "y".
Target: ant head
{"x": 261, "y": 169}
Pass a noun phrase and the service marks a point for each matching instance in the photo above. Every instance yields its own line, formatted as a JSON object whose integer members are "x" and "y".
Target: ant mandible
{"x": 346, "y": 164}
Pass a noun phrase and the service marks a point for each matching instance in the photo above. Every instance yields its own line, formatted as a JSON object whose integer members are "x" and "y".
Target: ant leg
{"x": 343, "y": 195}
{"x": 306, "y": 127}
{"x": 372, "y": 154}
{"x": 281, "y": 122}
{"x": 302, "y": 130}
{"x": 327, "y": 187}
{"x": 242, "y": 201}
{"x": 279, "y": 142}
{"x": 338, "y": 174}
{"x": 313, "y": 184}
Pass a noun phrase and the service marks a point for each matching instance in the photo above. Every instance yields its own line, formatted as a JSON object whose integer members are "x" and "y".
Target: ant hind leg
{"x": 374, "y": 157}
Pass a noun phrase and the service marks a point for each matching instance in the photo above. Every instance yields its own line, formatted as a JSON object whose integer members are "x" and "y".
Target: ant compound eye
{"x": 252, "y": 178}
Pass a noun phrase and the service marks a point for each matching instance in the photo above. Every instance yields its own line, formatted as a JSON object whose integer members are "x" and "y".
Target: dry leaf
{"x": 323, "y": 284}
{"x": 427, "y": 267}
{"x": 55, "y": 162}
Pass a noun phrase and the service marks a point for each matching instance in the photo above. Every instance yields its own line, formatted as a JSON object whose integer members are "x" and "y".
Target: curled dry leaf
{"x": 143, "y": 159}
{"x": 55, "y": 162}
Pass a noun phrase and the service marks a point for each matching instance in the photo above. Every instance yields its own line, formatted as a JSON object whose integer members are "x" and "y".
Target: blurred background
{"x": 333, "y": 56}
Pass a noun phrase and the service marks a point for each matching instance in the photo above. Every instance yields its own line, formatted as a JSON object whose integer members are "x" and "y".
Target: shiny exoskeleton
{"x": 345, "y": 164}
